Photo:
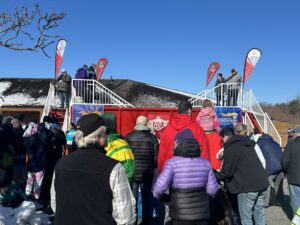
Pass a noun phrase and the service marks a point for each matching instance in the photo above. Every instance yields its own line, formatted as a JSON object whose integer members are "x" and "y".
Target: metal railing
{"x": 250, "y": 104}
{"x": 50, "y": 100}
{"x": 92, "y": 92}
{"x": 247, "y": 121}
{"x": 225, "y": 94}
{"x": 271, "y": 129}
{"x": 230, "y": 94}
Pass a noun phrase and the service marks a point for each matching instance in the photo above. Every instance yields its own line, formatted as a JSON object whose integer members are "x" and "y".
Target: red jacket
{"x": 178, "y": 123}
{"x": 215, "y": 144}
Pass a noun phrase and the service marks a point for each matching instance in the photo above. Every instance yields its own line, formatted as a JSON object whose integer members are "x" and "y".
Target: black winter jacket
{"x": 144, "y": 146}
{"x": 36, "y": 148}
{"x": 290, "y": 161}
{"x": 82, "y": 186}
{"x": 242, "y": 168}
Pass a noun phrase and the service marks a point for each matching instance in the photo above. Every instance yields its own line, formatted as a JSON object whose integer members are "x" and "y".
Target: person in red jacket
{"x": 180, "y": 122}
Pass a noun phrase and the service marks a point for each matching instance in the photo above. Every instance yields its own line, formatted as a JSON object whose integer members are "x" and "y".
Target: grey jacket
{"x": 63, "y": 82}
{"x": 234, "y": 79}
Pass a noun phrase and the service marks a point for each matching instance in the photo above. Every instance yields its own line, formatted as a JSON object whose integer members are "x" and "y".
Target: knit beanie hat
{"x": 110, "y": 122}
{"x": 189, "y": 148}
{"x": 182, "y": 135}
{"x": 89, "y": 123}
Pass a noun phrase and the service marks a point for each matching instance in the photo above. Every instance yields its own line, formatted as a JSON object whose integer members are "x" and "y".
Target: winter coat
{"x": 215, "y": 144}
{"x": 63, "y": 82}
{"x": 82, "y": 185}
{"x": 191, "y": 180}
{"x": 179, "y": 123}
{"x": 221, "y": 89}
{"x": 36, "y": 148}
{"x": 290, "y": 161}
{"x": 208, "y": 120}
{"x": 272, "y": 153}
{"x": 70, "y": 135}
{"x": 235, "y": 79}
{"x": 144, "y": 146}
{"x": 81, "y": 73}
{"x": 241, "y": 167}
{"x": 118, "y": 149}
{"x": 19, "y": 147}
{"x": 58, "y": 140}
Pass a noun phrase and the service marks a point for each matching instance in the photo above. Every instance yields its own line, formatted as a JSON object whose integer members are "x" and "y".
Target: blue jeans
{"x": 64, "y": 98}
{"x": 252, "y": 204}
{"x": 294, "y": 197}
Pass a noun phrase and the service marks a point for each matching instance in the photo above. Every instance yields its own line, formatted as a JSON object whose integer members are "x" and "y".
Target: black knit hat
{"x": 189, "y": 148}
{"x": 89, "y": 123}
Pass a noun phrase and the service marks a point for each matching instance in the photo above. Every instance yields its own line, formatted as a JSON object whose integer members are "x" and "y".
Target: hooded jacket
{"x": 191, "y": 180}
{"x": 179, "y": 123}
{"x": 117, "y": 148}
{"x": 272, "y": 153}
{"x": 241, "y": 167}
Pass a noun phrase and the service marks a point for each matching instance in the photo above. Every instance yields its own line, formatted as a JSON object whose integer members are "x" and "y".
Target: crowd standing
{"x": 196, "y": 173}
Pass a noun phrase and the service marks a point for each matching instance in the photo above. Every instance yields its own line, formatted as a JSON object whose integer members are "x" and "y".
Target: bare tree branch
{"x": 14, "y": 34}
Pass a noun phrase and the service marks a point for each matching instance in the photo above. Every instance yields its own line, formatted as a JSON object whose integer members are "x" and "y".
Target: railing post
{"x": 93, "y": 91}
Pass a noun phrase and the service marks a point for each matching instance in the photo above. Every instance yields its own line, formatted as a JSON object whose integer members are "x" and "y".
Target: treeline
{"x": 287, "y": 112}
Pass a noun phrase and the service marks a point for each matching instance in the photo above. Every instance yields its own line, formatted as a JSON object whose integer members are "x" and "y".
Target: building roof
{"x": 32, "y": 92}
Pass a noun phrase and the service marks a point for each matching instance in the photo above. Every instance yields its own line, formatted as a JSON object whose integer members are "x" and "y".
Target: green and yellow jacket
{"x": 118, "y": 149}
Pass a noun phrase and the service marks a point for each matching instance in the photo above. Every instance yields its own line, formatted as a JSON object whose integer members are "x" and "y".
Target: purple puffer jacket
{"x": 181, "y": 173}
{"x": 191, "y": 181}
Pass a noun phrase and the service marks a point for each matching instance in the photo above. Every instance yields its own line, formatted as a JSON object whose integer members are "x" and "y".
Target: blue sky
{"x": 171, "y": 42}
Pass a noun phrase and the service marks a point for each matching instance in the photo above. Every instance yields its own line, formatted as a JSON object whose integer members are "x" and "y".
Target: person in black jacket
{"x": 37, "y": 140}
{"x": 245, "y": 178}
{"x": 144, "y": 146}
{"x": 220, "y": 89}
{"x": 291, "y": 166}
{"x": 88, "y": 187}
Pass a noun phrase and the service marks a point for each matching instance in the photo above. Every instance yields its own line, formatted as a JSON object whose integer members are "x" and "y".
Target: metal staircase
{"x": 254, "y": 116}
{"x": 83, "y": 91}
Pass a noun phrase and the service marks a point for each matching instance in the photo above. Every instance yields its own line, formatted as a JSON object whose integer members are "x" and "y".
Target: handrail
{"x": 248, "y": 123}
{"x": 271, "y": 130}
{"x": 219, "y": 95}
{"x": 66, "y": 121}
{"x": 93, "y": 92}
{"x": 49, "y": 102}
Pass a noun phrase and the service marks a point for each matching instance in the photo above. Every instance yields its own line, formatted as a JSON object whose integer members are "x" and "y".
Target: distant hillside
{"x": 285, "y": 112}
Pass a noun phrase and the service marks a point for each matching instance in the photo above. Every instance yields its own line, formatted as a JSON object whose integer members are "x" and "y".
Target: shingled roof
{"x": 32, "y": 92}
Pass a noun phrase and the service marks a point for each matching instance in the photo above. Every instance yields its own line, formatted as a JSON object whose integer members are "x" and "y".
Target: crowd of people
{"x": 195, "y": 174}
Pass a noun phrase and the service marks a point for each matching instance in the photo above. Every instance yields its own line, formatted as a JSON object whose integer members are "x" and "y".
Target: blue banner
{"x": 79, "y": 110}
{"x": 228, "y": 116}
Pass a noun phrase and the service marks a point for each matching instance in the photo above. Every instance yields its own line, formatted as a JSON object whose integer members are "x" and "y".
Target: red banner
{"x": 250, "y": 62}
{"x": 100, "y": 67}
{"x": 211, "y": 71}
{"x": 60, "y": 49}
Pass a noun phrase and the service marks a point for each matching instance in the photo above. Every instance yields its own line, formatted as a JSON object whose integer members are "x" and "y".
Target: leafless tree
{"x": 28, "y": 29}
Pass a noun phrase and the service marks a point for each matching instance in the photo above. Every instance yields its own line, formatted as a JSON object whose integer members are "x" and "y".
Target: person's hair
{"x": 92, "y": 138}
{"x": 73, "y": 125}
{"x": 184, "y": 106}
{"x": 240, "y": 129}
{"x": 207, "y": 103}
{"x": 227, "y": 132}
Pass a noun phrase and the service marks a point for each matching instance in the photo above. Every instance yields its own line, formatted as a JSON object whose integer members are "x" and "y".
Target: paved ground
{"x": 280, "y": 215}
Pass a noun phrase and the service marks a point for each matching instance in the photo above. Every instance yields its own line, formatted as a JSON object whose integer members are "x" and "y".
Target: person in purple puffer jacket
{"x": 191, "y": 181}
